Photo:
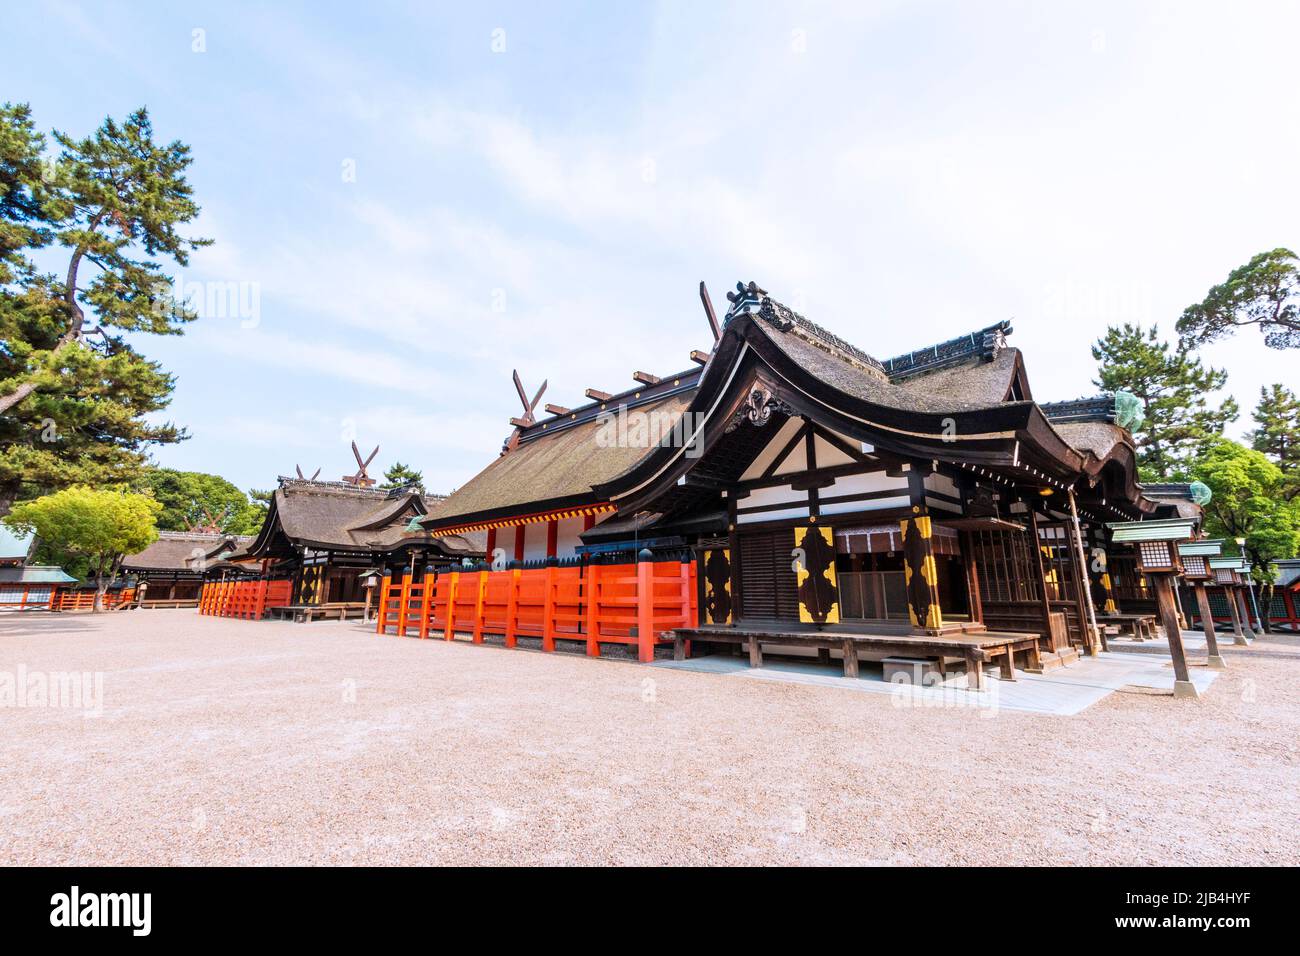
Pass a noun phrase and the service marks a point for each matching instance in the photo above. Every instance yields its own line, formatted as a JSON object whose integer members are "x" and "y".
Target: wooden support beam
{"x": 1234, "y": 610}
{"x": 557, "y": 409}
{"x": 521, "y": 422}
{"x": 1214, "y": 659}
{"x": 598, "y": 395}
{"x": 699, "y": 358}
{"x": 850, "y": 659}
{"x": 645, "y": 378}
{"x": 709, "y": 313}
{"x": 1164, "y": 588}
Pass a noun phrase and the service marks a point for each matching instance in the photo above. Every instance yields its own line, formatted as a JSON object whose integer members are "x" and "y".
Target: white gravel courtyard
{"x": 230, "y": 742}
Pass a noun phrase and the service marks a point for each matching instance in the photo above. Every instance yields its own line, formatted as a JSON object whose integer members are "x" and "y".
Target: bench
{"x": 305, "y": 613}
{"x": 974, "y": 649}
{"x": 1141, "y": 626}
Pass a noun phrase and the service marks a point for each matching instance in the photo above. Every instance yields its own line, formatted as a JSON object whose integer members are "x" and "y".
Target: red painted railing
{"x": 596, "y": 604}
{"x": 246, "y": 600}
{"x": 83, "y": 600}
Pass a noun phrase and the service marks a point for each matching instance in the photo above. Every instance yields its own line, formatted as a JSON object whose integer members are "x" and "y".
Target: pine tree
{"x": 74, "y": 393}
{"x": 1277, "y": 435}
{"x": 1265, "y": 293}
{"x": 1174, "y": 389}
{"x": 399, "y": 476}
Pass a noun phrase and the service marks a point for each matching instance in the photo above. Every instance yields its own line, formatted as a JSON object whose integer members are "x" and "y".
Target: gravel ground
{"x": 227, "y": 742}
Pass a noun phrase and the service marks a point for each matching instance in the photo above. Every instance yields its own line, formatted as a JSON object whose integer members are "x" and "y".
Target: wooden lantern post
{"x": 1196, "y": 569}
{"x": 1224, "y": 570}
{"x": 1156, "y": 543}
{"x": 369, "y": 581}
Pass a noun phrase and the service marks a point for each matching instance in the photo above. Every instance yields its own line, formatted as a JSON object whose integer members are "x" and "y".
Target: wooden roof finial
{"x": 708, "y": 311}
{"x": 314, "y": 474}
{"x": 361, "y": 479}
{"x": 529, "y": 417}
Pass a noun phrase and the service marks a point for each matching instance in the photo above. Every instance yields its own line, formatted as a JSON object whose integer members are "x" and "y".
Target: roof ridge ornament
{"x": 752, "y": 300}
{"x": 361, "y": 478}
{"x": 983, "y": 344}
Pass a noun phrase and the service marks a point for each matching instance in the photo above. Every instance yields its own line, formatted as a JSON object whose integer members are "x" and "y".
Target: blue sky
{"x": 424, "y": 197}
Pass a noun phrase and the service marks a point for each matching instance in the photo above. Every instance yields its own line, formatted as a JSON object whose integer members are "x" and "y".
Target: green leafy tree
{"x": 1175, "y": 390}
{"x": 74, "y": 393}
{"x": 1277, "y": 431}
{"x": 192, "y": 499}
{"x": 250, "y": 518}
{"x": 1248, "y": 503}
{"x": 1265, "y": 292}
{"x": 399, "y": 476}
{"x": 101, "y": 526}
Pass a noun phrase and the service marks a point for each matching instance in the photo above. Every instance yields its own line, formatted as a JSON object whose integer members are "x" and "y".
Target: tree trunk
{"x": 76, "y": 319}
{"x": 101, "y": 585}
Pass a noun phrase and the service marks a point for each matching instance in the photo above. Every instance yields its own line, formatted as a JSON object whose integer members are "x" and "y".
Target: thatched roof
{"x": 329, "y": 515}
{"x": 179, "y": 550}
{"x": 977, "y": 381}
{"x": 560, "y": 462}
{"x": 557, "y": 468}
{"x": 1097, "y": 438}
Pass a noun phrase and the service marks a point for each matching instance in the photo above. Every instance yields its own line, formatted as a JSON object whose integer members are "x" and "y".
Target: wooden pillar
{"x": 850, "y": 651}
{"x": 479, "y": 598}
{"x": 972, "y": 578}
{"x": 1252, "y": 611}
{"x": 588, "y": 521}
{"x": 519, "y": 542}
{"x": 920, "y": 574}
{"x": 1036, "y": 549}
{"x": 427, "y": 590}
{"x": 1245, "y": 612}
{"x": 381, "y": 616}
{"x": 491, "y": 543}
{"x": 548, "y": 609}
{"x": 404, "y": 606}
{"x": 1164, "y": 587}
{"x": 1095, "y": 640}
{"x": 645, "y": 606}
{"x": 591, "y": 607}
{"x": 552, "y": 537}
{"x": 512, "y": 608}
{"x": 449, "y": 626}
{"x": 1238, "y": 633}
{"x": 1207, "y": 623}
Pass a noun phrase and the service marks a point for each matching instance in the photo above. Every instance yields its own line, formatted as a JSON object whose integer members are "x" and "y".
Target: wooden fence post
{"x": 478, "y": 606}
{"x": 260, "y": 607}
{"x": 427, "y": 591}
{"x": 404, "y": 605}
{"x": 591, "y": 596}
{"x": 381, "y": 616}
{"x": 645, "y": 611}
{"x": 512, "y": 607}
{"x": 548, "y": 611}
{"x": 453, "y": 586}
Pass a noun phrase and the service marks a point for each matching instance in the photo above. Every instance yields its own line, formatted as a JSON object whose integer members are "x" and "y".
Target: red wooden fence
{"x": 594, "y": 603}
{"x": 247, "y": 600}
{"x": 83, "y": 600}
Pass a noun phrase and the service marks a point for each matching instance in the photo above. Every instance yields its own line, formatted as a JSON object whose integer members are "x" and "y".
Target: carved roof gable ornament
{"x": 757, "y": 409}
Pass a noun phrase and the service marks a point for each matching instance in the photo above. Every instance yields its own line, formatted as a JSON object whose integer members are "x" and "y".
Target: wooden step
{"x": 1054, "y": 659}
